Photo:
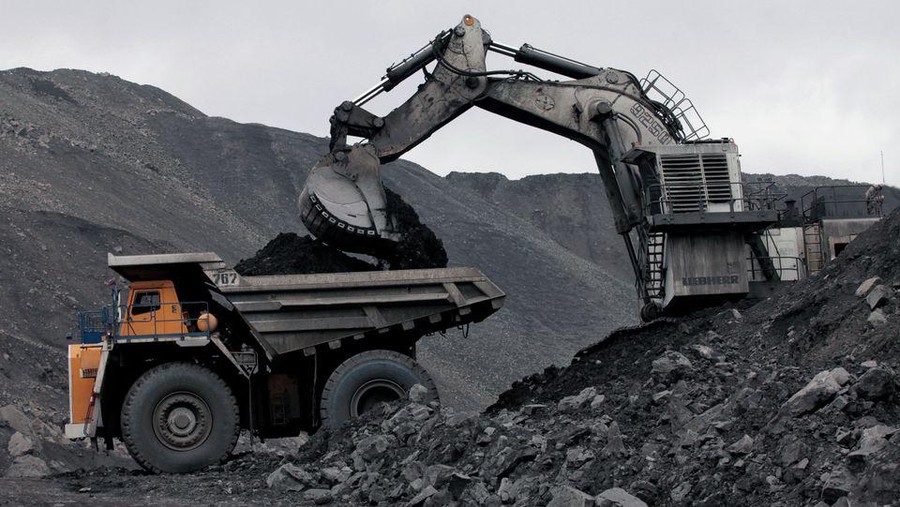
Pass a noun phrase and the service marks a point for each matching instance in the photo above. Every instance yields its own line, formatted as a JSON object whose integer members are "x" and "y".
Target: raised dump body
{"x": 192, "y": 352}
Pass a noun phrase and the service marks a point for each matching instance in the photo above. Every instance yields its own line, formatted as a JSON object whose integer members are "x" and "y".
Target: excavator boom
{"x": 604, "y": 109}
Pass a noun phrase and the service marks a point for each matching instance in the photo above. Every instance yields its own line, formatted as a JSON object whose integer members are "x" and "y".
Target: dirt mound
{"x": 791, "y": 401}
{"x": 289, "y": 253}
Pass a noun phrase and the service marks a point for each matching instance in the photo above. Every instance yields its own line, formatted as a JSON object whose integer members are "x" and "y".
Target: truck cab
{"x": 152, "y": 309}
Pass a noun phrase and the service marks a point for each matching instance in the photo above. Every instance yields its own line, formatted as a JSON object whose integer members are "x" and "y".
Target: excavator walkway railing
{"x": 841, "y": 201}
{"x": 693, "y": 199}
{"x": 663, "y": 91}
{"x": 787, "y": 267}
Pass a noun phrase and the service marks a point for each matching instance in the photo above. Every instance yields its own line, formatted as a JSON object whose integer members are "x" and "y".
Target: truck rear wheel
{"x": 363, "y": 381}
{"x": 179, "y": 418}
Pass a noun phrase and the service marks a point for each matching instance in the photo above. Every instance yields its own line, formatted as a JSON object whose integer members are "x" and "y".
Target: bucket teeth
{"x": 344, "y": 204}
{"x": 331, "y": 229}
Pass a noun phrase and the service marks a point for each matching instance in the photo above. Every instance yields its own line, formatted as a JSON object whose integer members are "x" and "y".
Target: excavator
{"x": 691, "y": 229}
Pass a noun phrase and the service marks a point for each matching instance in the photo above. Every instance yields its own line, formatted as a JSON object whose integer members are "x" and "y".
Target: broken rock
{"x": 866, "y": 286}
{"x": 878, "y": 297}
{"x": 618, "y": 497}
{"x": 707, "y": 353}
{"x": 28, "y": 466}
{"x": 318, "y": 496}
{"x": 742, "y": 446}
{"x": 877, "y": 318}
{"x": 290, "y": 477}
{"x": 418, "y": 394}
{"x": 372, "y": 447}
{"x": 423, "y": 495}
{"x": 817, "y": 393}
{"x": 16, "y": 419}
{"x": 615, "y": 443}
{"x": 567, "y": 496}
{"x": 19, "y": 444}
{"x": 458, "y": 484}
{"x": 875, "y": 384}
{"x": 792, "y": 451}
{"x": 837, "y": 485}
{"x": 680, "y": 493}
{"x": 438, "y": 475}
{"x": 578, "y": 401}
{"x": 872, "y": 440}
{"x": 671, "y": 366}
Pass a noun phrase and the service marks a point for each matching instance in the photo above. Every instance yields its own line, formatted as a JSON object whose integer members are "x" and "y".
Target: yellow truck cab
{"x": 153, "y": 309}
{"x": 149, "y": 311}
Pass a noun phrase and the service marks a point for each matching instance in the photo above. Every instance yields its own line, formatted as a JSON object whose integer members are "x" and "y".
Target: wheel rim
{"x": 182, "y": 421}
{"x": 372, "y": 393}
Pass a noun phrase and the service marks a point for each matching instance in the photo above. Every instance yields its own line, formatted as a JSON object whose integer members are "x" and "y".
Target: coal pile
{"x": 792, "y": 401}
{"x": 419, "y": 247}
{"x": 289, "y": 253}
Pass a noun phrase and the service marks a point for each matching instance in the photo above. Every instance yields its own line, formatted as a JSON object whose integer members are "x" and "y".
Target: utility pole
{"x": 882, "y": 167}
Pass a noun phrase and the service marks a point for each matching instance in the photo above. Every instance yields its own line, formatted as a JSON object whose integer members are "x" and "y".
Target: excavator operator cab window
{"x": 145, "y": 302}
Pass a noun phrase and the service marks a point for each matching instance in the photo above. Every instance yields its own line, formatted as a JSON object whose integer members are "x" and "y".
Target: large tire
{"x": 363, "y": 381}
{"x": 179, "y": 418}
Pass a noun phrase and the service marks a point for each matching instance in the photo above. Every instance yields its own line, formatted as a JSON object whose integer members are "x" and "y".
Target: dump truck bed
{"x": 291, "y": 313}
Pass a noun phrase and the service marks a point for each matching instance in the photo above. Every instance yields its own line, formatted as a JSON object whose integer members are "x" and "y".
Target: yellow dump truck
{"x": 189, "y": 352}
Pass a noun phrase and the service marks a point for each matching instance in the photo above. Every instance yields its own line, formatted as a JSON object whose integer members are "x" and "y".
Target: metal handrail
{"x": 751, "y": 195}
{"x": 799, "y": 266}
{"x": 193, "y": 309}
{"x": 92, "y": 326}
{"x": 826, "y": 201}
{"x": 661, "y": 90}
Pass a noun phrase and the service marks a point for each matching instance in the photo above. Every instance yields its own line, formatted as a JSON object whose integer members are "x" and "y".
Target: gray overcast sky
{"x": 808, "y": 87}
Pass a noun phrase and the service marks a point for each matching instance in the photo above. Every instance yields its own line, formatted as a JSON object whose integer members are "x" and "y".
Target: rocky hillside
{"x": 570, "y": 208}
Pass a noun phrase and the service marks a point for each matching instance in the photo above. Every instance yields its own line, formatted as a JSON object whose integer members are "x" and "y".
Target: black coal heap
{"x": 288, "y": 253}
{"x": 419, "y": 247}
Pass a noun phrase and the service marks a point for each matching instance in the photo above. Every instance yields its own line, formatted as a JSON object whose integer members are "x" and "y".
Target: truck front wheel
{"x": 366, "y": 379}
{"x": 178, "y": 418}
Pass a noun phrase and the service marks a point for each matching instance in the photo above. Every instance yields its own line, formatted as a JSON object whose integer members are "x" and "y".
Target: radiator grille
{"x": 693, "y": 181}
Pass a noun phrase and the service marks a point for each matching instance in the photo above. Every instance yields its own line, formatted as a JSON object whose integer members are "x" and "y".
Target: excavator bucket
{"x": 343, "y": 202}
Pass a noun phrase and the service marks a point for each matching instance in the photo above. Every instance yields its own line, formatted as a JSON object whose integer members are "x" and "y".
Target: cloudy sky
{"x": 807, "y": 87}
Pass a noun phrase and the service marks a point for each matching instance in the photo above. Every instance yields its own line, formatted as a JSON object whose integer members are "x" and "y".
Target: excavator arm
{"x": 677, "y": 201}
{"x": 604, "y": 109}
